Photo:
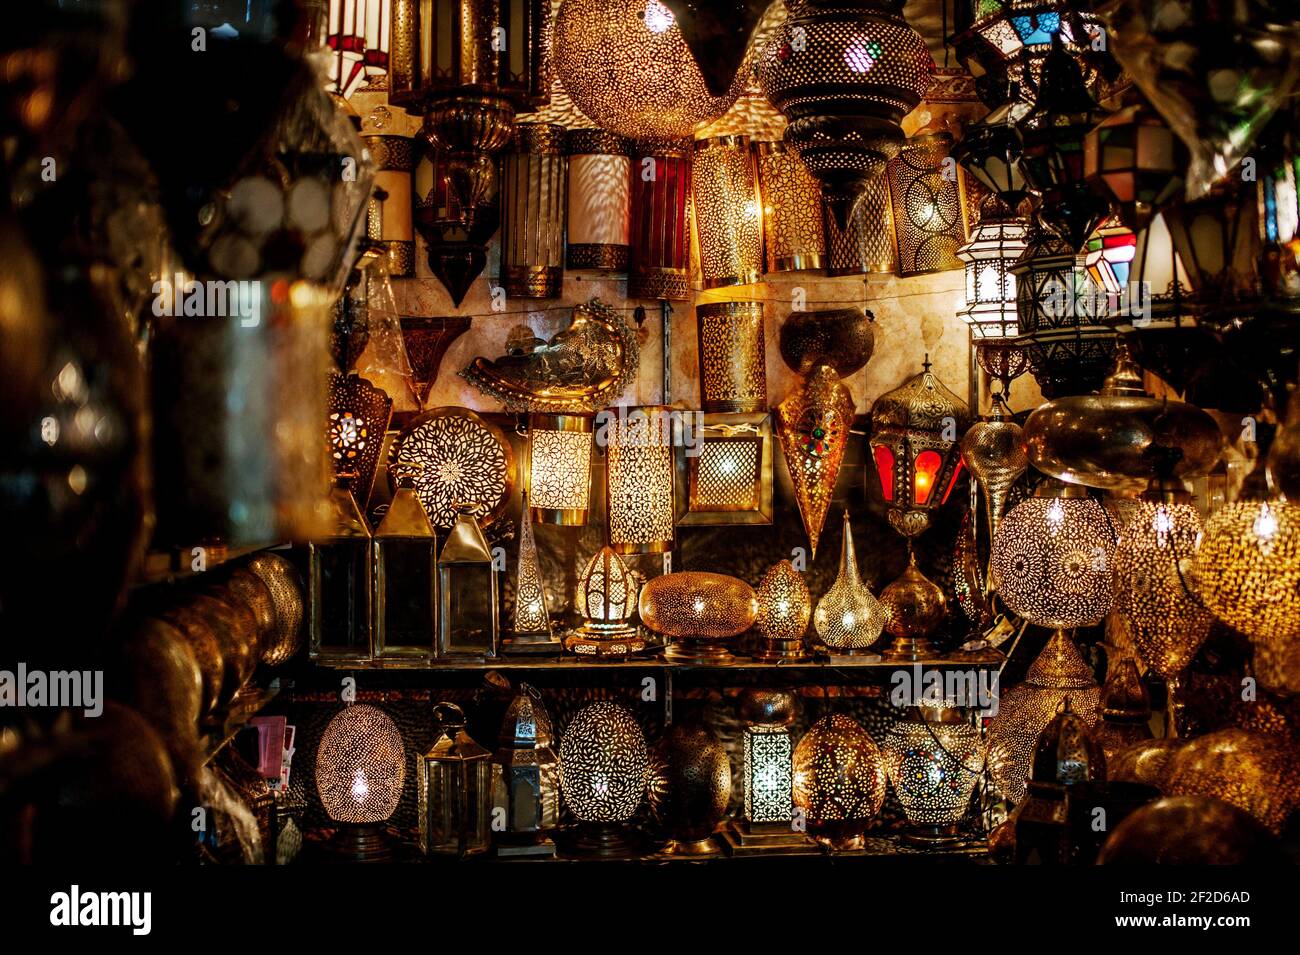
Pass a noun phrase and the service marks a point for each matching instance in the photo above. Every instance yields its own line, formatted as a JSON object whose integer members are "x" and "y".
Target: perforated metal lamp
{"x": 360, "y": 767}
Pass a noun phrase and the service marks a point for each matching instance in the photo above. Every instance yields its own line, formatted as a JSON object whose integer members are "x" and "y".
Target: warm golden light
{"x": 640, "y": 480}
{"x": 848, "y": 618}
{"x": 1249, "y": 568}
{"x": 559, "y": 472}
{"x": 726, "y": 212}
{"x": 360, "y": 766}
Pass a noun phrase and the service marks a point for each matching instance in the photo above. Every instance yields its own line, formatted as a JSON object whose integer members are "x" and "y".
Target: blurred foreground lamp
{"x": 340, "y": 583}
{"x": 532, "y": 212}
{"x": 659, "y": 256}
{"x": 866, "y": 244}
{"x": 934, "y": 757}
{"x": 729, "y": 478}
{"x": 1249, "y": 568}
{"x": 606, "y": 600}
{"x": 559, "y": 470}
{"x": 527, "y": 777}
{"x": 848, "y": 618}
{"x": 455, "y": 797}
{"x": 1057, "y": 675}
{"x": 600, "y": 197}
{"x": 793, "y": 232}
{"x": 405, "y": 570}
{"x": 360, "y": 767}
{"x": 1051, "y": 560}
{"x": 839, "y": 781}
{"x": 915, "y": 435}
{"x": 784, "y": 607}
{"x": 1217, "y": 241}
{"x": 603, "y": 768}
{"x": 640, "y": 479}
{"x": 531, "y": 625}
{"x": 726, "y": 212}
{"x": 1125, "y": 710}
{"x": 628, "y": 69}
{"x": 1066, "y": 760}
{"x": 467, "y": 592}
{"x": 733, "y": 354}
{"x": 1070, "y": 349}
{"x": 845, "y": 73}
{"x": 929, "y": 206}
{"x": 1133, "y": 158}
{"x": 699, "y": 612}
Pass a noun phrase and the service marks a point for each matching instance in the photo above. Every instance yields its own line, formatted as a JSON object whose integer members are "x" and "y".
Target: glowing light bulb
{"x": 859, "y": 58}
{"x": 1055, "y": 515}
{"x": 849, "y": 621}
{"x": 658, "y": 18}
{"x": 360, "y": 788}
{"x": 1265, "y": 525}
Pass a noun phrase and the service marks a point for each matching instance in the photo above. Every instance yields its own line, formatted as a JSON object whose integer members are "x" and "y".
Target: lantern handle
{"x": 448, "y": 714}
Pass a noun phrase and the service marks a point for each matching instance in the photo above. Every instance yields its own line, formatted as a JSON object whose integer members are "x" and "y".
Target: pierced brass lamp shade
{"x": 1249, "y": 568}
{"x": 848, "y": 618}
{"x": 813, "y": 428}
{"x": 688, "y": 788}
{"x": 994, "y": 453}
{"x": 784, "y": 607}
{"x": 699, "y": 612}
{"x": 606, "y": 600}
{"x": 933, "y": 757}
{"x": 603, "y": 769}
{"x": 839, "y": 780}
{"x": 914, "y": 606}
{"x": 531, "y": 622}
{"x": 1251, "y": 771}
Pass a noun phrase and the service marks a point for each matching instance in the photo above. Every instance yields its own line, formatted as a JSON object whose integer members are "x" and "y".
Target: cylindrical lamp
{"x": 639, "y": 478}
{"x": 603, "y": 768}
{"x": 360, "y": 767}
{"x": 391, "y": 224}
{"x": 659, "y": 257}
{"x": 934, "y": 757}
{"x": 733, "y": 356}
{"x": 794, "y": 235}
{"x": 455, "y": 797}
{"x": 839, "y": 780}
{"x": 559, "y": 469}
{"x": 532, "y": 211}
{"x": 929, "y": 205}
{"x": 600, "y": 200}
{"x": 867, "y": 244}
{"x": 725, "y": 207}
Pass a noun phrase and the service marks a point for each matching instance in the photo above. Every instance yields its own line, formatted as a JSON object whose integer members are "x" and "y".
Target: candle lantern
{"x": 916, "y": 431}
{"x": 600, "y": 200}
{"x": 532, "y": 212}
{"x": 606, "y": 600}
{"x": 728, "y": 220}
{"x": 527, "y": 777}
{"x": 933, "y": 757}
{"x": 559, "y": 469}
{"x": 455, "y": 797}
{"x": 929, "y": 206}
{"x": 603, "y": 768}
{"x": 639, "y": 479}
{"x": 784, "y": 608}
{"x": 360, "y": 768}
{"x": 726, "y": 478}
{"x": 389, "y": 222}
{"x": 794, "y": 235}
{"x": 839, "y": 780}
{"x": 733, "y": 356}
{"x": 340, "y": 583}
{"x": 467, "y": 592}
{"x": 660, "y": 251}
{"x": 405, "y": 575}
{"x": 867, "y": 243}
{"x": 358, "y": 418}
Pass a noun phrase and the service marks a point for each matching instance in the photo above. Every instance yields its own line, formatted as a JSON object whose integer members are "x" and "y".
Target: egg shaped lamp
{"x": 360, "y": 768}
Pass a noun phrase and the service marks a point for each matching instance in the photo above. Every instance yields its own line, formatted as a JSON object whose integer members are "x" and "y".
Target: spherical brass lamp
{"x": 689, "y": 788}
{"x": 839, "y": 781}
{"x": 1251, "y": 771}
{"x": 784, "y": 607}
{"x": 1249, "y": 568}
{"x": 914, "y": 606}
{"x": 1189, "y": 830}
{"x": 360, "y": 768}
{"x": 934, "y": 757}
{"x": 603, "y": 766}
{"x": 1052, "y": 559}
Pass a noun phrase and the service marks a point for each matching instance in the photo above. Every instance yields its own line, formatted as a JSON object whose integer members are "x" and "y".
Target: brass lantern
{"x": 600, "y": 197}
{"x": 839, "y": 780}
{"x": 405, "y": 576}
{"x": 531, "y": 623}
{"x": 639, "y": 479}
{"x": 995, "y": 246}
{"x": 455, "y": 790}
{"x": 794, "y": 236}
{"x": 733, "y": 370}
{"x": 360, "y": 768}
{"x": 604, "y": 763}
{"x": 866, "y": 244}
{"x": 916, "y": 431}
{"x": 700, "y": 613}
{"x": 933, "y": 757}
{"x": 784, "y": 608}
{"x": 467, "y": 592}
{"x": 990, "y": 150}
{"x": 848, "y": 617}
{"x": 527, "y": 777}
{"x": 340, "y": 583}
{"x": 606, "y": 600}
{"x": 929, "y": 205}
{"x": 533, "y": 181}
{"x": 726, "y": 212}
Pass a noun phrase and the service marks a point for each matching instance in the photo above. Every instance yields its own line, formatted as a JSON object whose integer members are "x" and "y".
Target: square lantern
{"x": 455, "y": 790}
{"x": 916, "y": 431}
{"x": 725, "y": 477}
{"x": 994, "y": 248}
{"x": 559, "y": 468}
{"x": 405, "y": 576}
{"x": 467, "y": 593}
{"x": 340, "y": 575}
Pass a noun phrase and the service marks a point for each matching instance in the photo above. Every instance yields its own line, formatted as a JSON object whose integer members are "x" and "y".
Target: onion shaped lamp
{"x": 848, "y": 618}
{"x": 360, "y": 768}
{"x": 606, "y": 600}
{"x": 784, "y": 608}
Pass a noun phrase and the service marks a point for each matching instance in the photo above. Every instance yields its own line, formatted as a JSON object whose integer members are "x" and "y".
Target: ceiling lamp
{"x": 1218, "y": 243}
{"x": 1121, "y": 439}
{"x": 991, "y": 150}
{"x": 845, "y": 73}
{"x": 717, "y": 35}
{"x": 1134, "y": 159}
{"x": 356, "y": 33}
{"x": 627, "y": 67}
{"x": 995, "y": 246}
{"x": 993, "y": 450}
{"x": 1053, "y": 132}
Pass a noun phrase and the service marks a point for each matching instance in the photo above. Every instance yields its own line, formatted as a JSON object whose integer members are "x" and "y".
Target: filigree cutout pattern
{"x": 461, "y": 460}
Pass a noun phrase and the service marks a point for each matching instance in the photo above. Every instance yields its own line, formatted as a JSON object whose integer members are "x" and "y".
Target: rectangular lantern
{"x": 639, "y": 479}
{"x": 866, "y": 246}
{"x": 726, "y": 478}
{"x": 733, "y": 356}
{"x": 929, "y": 204}
{"x": 794, "y": 236}
{"x": 990, "y": 287}
{"x": 340, "y": 584}
{"x": 768, "y": 784}
{"x": 455, "y": 790}
{"x": 725, "y": 206}
{"x": 599, "y": 200}
{"x": 388, "y": 221}
{"x": 405, "y": 577}
{"x": 659, "y": 255}
{"x": 468, "y": 626}
{"x": 532, "y": 212}
{"x": 559, "y": 468}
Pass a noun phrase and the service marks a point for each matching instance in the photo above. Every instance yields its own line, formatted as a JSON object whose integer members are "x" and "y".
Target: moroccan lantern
{"x": 699, "y": 612}
{"x": 1133, "y": 158}
{"x": 915, "y": 435}
{"x": 784, "y": 608}
{"x": 1217, "y": 241}
{"x": 845, "y": 73}
{"x": 604, "y": 765}
{"x": 599, "y": 197}
{"x": 659, "y": 252}
{"x": 533, "y": 180}
{"x": 455, "y": 790}
{"x": 1249, "y": 568}
{"x": 839, "y": 780}
{"x": 848, "y": 617}
{"x": 726, "y": 211}
{"x": 360, "y": 767}
{"x": 914, "y": 606}
{"x": 929, "y": 205}
{"x": 526, "y": 777}
{"x": 993, "y": 451}
{"x": 1108, "y": 256}
{"x": 639, "y": 480}
{"x": 1125, "y": 711}
{"x": 606, "y": 600}
{"x": 933, "y": 757}
{"x": 688, "y": 787}
{"x": 991, "y": 150}
{"x": 794, "y": 236}
{"x": 995, "y": 246}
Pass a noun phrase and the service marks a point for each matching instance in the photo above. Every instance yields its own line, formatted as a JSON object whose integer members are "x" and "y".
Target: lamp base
{"x": 530, "y": 644}
{"x": 931, "y": 835}
{"x": 691, "y": 848}
{"x": 910, "y": 649}
{"x": 741, "y": 838}
{"x": 603, "y": 840}
{"x": 542, "y": 849}
{"x": 613, "y": 644}
{"x": 358, "y": 843}
{"x": 697, "y": 651}
{"x": 840, "y": 836}
{"x": 781, "y": 651}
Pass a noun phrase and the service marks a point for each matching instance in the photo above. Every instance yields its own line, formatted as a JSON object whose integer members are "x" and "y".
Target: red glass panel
{"x": 956, "y": 473}
{"x": 925, "y": 472}
{"x": 885, "y": 468}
